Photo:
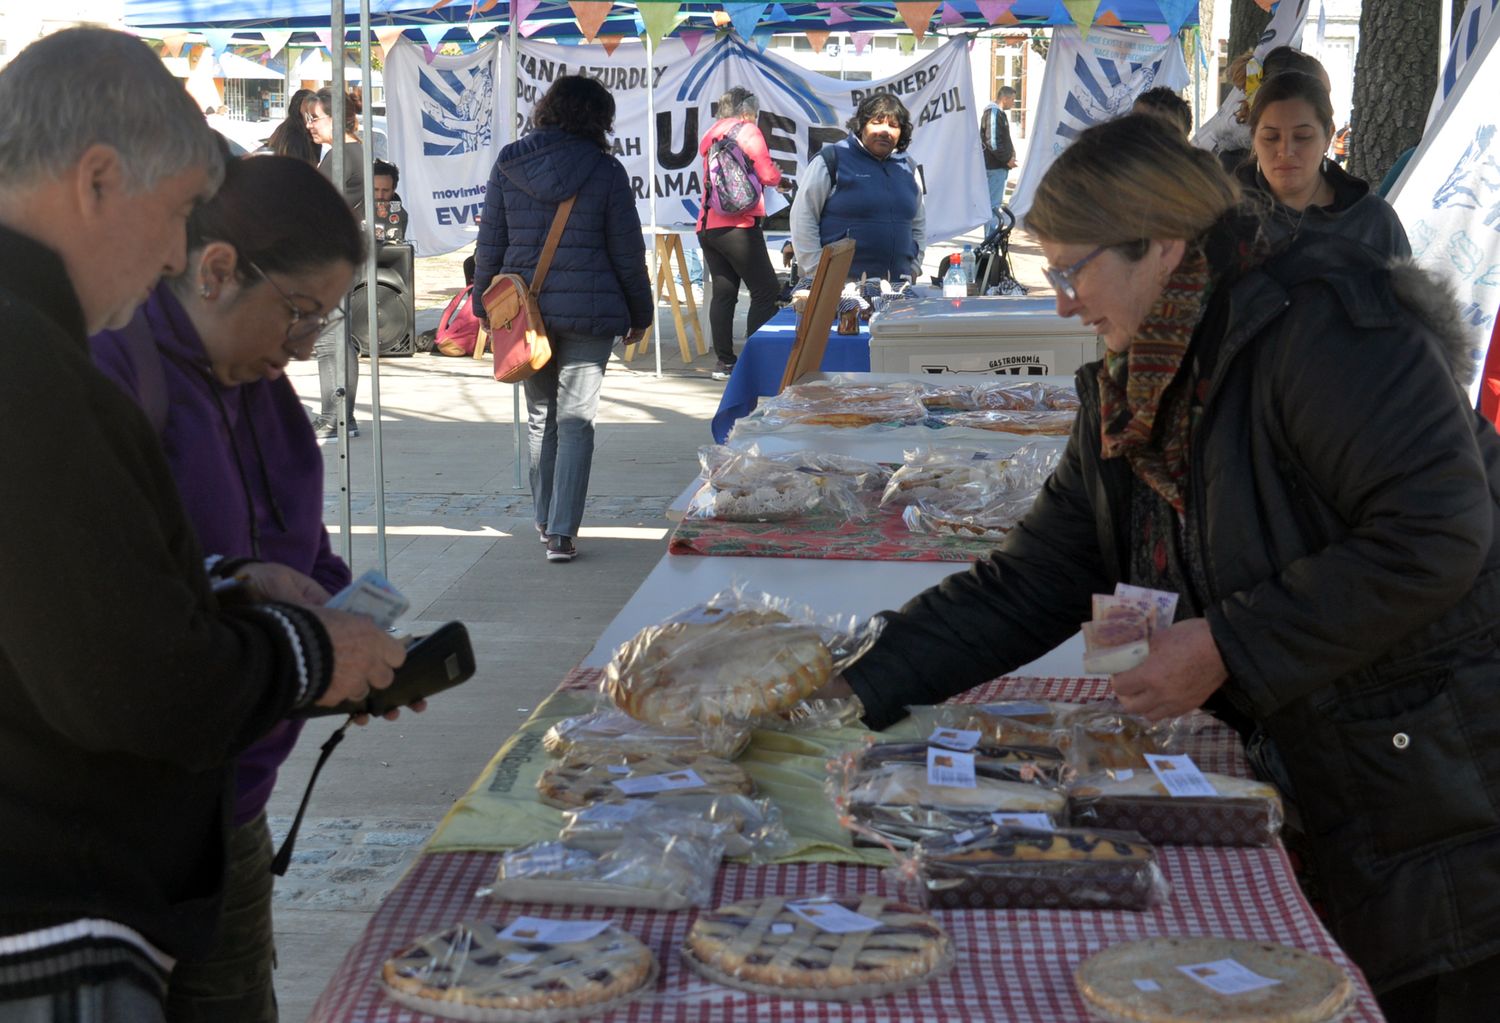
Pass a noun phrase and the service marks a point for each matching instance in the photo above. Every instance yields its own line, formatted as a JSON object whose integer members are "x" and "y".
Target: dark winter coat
{"x": 128, "y": 687}
{"x": 1345, "y": 502}
{"x": 597, "y": 284}
{"x": 1356, "y": 213}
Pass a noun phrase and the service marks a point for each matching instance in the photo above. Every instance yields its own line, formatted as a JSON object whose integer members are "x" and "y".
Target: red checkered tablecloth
{"x": 1010, "y": 965}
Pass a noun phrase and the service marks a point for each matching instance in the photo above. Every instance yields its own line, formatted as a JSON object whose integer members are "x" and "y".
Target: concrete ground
{"x": 460, "y": 545}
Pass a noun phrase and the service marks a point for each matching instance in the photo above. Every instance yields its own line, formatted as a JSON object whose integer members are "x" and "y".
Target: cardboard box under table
{"x": 1002, "y": 336}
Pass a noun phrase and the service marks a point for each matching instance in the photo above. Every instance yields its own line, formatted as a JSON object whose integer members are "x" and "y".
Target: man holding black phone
{"x": 129, "y": 680}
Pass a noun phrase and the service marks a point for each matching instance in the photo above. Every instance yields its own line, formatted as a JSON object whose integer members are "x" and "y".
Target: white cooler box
{"x": 992, "y": 335}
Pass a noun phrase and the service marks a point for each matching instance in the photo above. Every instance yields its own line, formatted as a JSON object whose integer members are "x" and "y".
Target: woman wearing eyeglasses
{"x": 269, "y": 257}
{"x": 1286, "y": 445}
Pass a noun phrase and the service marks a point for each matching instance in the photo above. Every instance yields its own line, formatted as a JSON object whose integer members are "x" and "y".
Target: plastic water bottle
{"x": 969, "y": 266}
{"x": 955, "y": 281}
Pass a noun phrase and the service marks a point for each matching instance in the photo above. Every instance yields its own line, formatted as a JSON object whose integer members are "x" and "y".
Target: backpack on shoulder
{"x": 732, "y": 186}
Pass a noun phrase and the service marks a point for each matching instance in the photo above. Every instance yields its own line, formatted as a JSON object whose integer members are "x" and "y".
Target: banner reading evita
{"x": 800, "y": 112}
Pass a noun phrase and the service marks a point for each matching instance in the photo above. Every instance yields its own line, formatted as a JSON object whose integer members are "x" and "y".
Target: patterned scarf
{"x": 1144, "y": 418}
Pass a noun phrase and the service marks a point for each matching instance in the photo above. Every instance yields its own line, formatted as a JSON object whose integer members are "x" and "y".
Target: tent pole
{"x": 1197, "y": 81}
{"x": 1445, "y": 36}
{"x": 651, "y": 177}
{"x": 340, "y": 359}
{"x": 512, "y": 114}
{"x": 372, "y": 328}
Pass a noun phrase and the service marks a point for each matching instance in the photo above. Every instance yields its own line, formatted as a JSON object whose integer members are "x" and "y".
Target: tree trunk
{"x": 1395, "y": 73}
{"x": 1246, "y": 22}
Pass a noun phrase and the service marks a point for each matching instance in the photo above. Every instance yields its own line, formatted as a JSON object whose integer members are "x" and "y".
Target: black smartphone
{"x": 439, "y": 660}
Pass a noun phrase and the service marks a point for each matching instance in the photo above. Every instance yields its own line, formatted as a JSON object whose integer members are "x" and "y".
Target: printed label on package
{"x": 1035, "y": 821}
{"x": 1180, "y": 776}
{"x": 685, "y": 779}
{"x": 613, "y": 813}
{"x": 954, "y": 738}
{"x": 951, "y": 768}
{"x": 831, "y": 917}
{"x": 553, "y": 932}
{"x": 1227, "y": 977}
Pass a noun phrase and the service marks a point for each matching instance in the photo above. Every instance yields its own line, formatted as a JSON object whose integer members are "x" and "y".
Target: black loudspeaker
{"x": 395, "y": 304}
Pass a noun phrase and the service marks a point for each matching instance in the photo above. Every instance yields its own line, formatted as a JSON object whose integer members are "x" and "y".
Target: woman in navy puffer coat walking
{"x": 595, "y": 292}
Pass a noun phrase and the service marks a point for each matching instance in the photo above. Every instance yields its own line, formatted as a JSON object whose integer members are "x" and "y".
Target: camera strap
{"x": 284, "y": 854}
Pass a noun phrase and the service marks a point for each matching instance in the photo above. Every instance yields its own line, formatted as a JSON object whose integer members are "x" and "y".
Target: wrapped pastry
{"x": 741, "y": 487}
{"x": 1241, "y": 812}
{"x": 580, "y": 779}
{"x": 606, "y": 732}
{"x": 995, "y": 867}
{"x": 1054, "y": 422}
{"x": 749, "y": 827}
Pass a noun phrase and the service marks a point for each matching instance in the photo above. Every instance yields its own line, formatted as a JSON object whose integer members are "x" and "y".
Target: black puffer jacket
{"x": 597, "y": 284}
{"x": 1356, "y": 211}
{"x": 1346, "y": 501}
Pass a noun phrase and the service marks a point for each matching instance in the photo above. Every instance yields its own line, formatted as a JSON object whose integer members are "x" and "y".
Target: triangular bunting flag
{"x": 487, "y": 6}
{"x": 817, "y": 39}
{"x": 590, "y": 15}
{"x": 1175, "y": 12}
{"x": 907, "y": 45}
{"x": 440, "y": 3}
{"x": 1082, "y": 12}
{"x": 1265, "y": 5}
{"x": 761, "y": 41}
{"x": 951, "y": 16}
{"x": 917, "y": 14}
{"x": 217, "y": 40}
{"x": 387, "y": 37}
{"x": 1161, "y": 33}
{"x": 721, "y": 19}
{"x": 428, "y": 53}
{"x": 609, "y": 43}
{"x": 434, "y": 34}
{"x": 993, "y": 9}
{"x": 1109, "y": 19}
{"x": 325, "y": 38}
{"x": 660, "y": 19}
{"x": 173, "y": 43}
{"x": 276, "y": 40}
{"x": 745, "y": 17}
{"x": 837, "y": 15}
{"x": 479, "y": 29}
{"x": 521, "y": 10}
{"x": 861, "y": 40}
{"x": 778, "y": 13}
{"x": 691, "y": 38}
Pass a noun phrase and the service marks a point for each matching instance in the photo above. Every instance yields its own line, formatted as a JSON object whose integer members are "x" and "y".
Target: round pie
{"x": 1143, "y": 981}
{"x": 761, "y": 945}
{"x": 715, "y": 665}
{"x": 470, "y": 972}
{"x": 581, "y": 779}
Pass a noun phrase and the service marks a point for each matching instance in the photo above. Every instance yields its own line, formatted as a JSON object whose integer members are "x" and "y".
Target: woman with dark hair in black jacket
{"x": 292, "y": 137}
{"x": 596, "y": 291}
{"x": 1288, "y": 446}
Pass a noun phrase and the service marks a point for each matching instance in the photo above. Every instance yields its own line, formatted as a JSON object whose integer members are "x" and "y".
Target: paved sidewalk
{"x": 461, "y": 545}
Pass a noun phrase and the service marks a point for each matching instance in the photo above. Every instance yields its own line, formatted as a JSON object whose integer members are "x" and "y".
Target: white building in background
{"x": 22, "y": 24}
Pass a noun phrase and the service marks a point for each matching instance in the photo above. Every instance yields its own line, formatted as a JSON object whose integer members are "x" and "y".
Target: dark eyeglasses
{"x": 304, "y": 324}
{"x": 1062, "y": 279}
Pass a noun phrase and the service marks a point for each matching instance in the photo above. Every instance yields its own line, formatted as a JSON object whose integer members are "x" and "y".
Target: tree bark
{"x": 1395, "y": 73}
{"x": 1246, "y": 22}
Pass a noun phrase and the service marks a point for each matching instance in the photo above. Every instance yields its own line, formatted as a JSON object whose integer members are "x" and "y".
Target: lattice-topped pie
{"x": 469, "y": 971}
{"x": 580, "y": 779}
{"x": 762, "y": 945}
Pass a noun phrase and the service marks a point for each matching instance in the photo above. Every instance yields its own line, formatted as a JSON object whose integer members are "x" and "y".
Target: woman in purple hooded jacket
{"x": 269, "y": 258}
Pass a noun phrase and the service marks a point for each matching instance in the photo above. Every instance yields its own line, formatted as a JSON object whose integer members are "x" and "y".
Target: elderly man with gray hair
{"x": 130, "y": 678}
{"x": 734, "y": 240}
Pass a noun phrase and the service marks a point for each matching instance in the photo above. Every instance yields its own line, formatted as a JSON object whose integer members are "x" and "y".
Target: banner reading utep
{"x": 446, "y": 119}
{"x": 800, "y": 112}
{"x": 1089, "y": 82}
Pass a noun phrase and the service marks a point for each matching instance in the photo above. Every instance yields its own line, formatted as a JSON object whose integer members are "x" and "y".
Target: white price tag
{"x": 521, "y": 957}
{"x": 1146, "y": 985}
{"x": 617, "y": 769}
{"x": 685, "y": 779}
{"x": 950, "y": 768}
{"x": 1227, "y": 977}
{"x": 553, "y": 932}
{"x": 954, "y": 738}
{"x": 1122, "y": 774}
{"x": 782, "y": 928}
{"x": 1035, "y": 821}
{"x": 1180, "y": 776}
{"x": 831, "y": 917}
{"x": 613, "y": 813}
{"x": 965, "y": 837}
{"x": 1017, "y": 709}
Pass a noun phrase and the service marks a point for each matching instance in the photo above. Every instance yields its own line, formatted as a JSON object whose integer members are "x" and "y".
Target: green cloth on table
{"x": 501, "y": 809}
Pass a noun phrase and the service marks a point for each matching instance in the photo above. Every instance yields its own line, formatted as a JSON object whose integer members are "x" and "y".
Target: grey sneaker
{"x": 541, "y": 532}
{"x": 560, "y": 548}
{"x": 722, "y": 371}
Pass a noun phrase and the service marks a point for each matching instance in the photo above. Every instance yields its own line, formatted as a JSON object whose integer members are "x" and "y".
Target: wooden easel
{"x": 667, "y": 246}
{"x": 820, "y": 311}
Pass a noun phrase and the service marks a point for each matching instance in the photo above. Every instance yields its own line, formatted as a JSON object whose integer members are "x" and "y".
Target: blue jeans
{"x": 997, "y": 179}
{"x": 562, "y": 399}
